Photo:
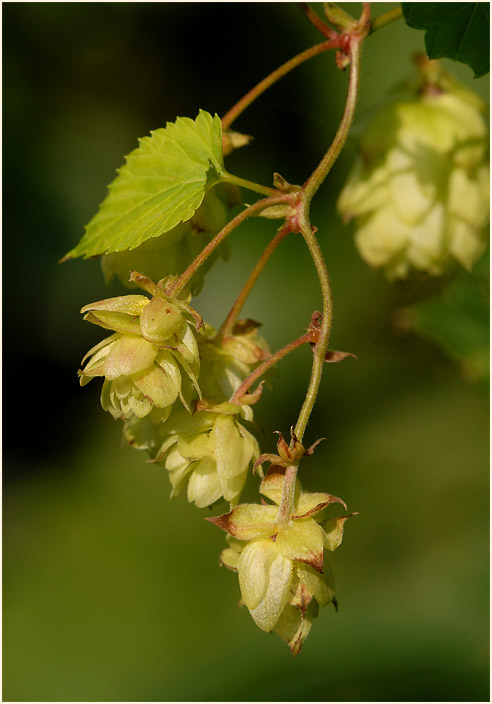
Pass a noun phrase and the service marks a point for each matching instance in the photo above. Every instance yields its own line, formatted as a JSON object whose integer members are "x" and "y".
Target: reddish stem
{"x": 231, "y": 225}
{"x": 228, "y": 324}
{"x": 310, "y": 337}
{"x": 279, "y": 72}
{"x": 317, "y": 22}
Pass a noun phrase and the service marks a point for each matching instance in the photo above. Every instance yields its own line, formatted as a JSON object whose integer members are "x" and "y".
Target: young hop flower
{"x": 207, "y": 454}
{"x": 283, "y": 575}
{"x": 142, "y": 362}
{"x": 419, "y": 190}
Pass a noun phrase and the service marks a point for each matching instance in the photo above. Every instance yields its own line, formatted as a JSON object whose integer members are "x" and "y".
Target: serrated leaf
{"x": 162, "y": 183}
{"x": 454, "y": 30}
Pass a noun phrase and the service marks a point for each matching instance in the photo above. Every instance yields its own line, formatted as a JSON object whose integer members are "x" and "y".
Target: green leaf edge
{"x": 215, "y": 165}
{"x": 430, "y": 29}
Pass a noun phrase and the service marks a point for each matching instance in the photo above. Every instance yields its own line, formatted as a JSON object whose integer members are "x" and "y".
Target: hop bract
{"x": 283, "y": 575}
{"x": 172, "y": 252}
{"x": 143, "y": 361}
{"x": 208, "y": 454}
{"x": 419, "y": 191}
{"x": 227, "y": 362}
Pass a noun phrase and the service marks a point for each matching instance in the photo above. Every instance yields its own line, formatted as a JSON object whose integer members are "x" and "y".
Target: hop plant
{"x": 174, "y": 250}
{"x": 141, "y": 361}
{"x": 419, "y": 189}
{"x": 418, "y": 192}
{"x": 283, "y": 575}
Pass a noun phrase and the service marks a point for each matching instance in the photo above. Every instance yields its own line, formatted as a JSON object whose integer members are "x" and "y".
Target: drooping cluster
{"x": 171, "y": 380}
{"x": 160, "y": 353}
{"x": 184, "y": 391}
{"x": 419, "y": 190}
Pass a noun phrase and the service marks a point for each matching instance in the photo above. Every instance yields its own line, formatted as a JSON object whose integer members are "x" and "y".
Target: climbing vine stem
{"x": 309, "y": 189}
{"x": 323, "y": 168}
{"x": 321, "y": 345}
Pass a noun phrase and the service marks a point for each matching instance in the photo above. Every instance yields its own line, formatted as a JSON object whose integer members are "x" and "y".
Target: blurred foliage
{"x": 111, "y": 591}
{"x": 457, "y": 320}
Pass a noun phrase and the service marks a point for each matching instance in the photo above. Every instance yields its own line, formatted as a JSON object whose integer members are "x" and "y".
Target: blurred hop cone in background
{"x": 419, "y": 190}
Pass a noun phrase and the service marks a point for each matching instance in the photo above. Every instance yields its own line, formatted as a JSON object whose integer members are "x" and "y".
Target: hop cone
{"x": 143, "y": 361}
{"x": 419, "y": 190}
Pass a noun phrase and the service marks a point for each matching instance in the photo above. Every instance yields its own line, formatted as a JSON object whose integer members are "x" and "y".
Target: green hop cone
{"x": 226, "y": 363}
{"x": 173, "y": 252}
{"x": 283, "y": 575}
{"x": 143, "y": 361}
{"x": 419, "y": 190}
{"x": 207, "y": 454}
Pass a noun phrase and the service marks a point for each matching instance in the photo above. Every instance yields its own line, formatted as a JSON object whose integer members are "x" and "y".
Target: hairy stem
{"x": 287, "y": 499}
{"x": 270, "y": 362}
{"x": 321, "y": 171}
{"x": 281, "y": 71}
{"x": 219, "y": 237}
{"x": 317, "y": 22}
{"x": 228, "y": 324}
{"x": 326, "y": 325}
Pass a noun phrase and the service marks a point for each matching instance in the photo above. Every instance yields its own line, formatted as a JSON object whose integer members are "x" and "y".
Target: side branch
{"x": 317, "y": 22}
{"x": 310, "y": 337}
{"x": 220, "y": 236}
{"x": 385, "y": 19}
{"x": 228, "y": 324}
{"x": 281, "y": 71}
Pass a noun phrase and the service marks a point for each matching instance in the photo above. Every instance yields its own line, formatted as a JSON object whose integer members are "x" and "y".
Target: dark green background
{"x": 111, "y": 591}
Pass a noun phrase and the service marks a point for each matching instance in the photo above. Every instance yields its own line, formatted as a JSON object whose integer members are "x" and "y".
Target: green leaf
{"x": 454, "y": 30}
{"x": 458, "y": 320}
{"x": 162, "y": 183}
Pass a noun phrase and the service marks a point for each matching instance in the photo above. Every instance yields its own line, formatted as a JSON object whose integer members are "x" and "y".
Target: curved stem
{"x": 316, "y": 21}
{"x": 181, "y": 282}
{"x": 385, "y": 19}
{"x": 326, "y": 325}
{"x": 270, "y": 362}
{"x": 321, "y": 171}
{"x": 228, "y": 324}
{"x": 281, "y": 71}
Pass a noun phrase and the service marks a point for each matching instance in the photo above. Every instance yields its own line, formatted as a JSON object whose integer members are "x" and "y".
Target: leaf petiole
{"x": 250, "y": 185}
